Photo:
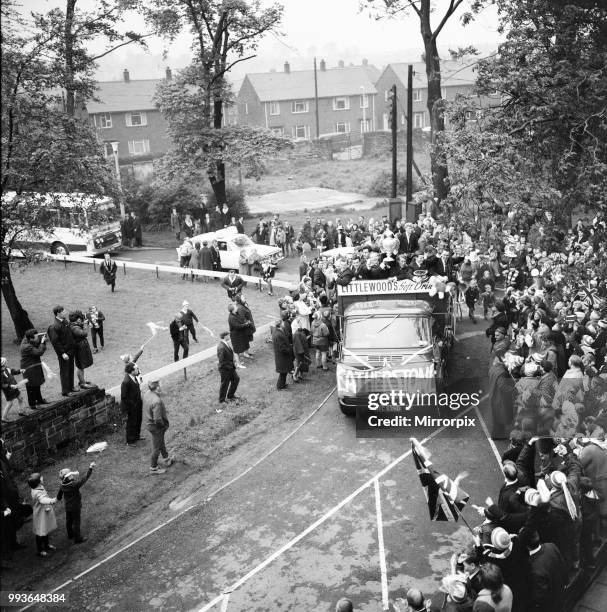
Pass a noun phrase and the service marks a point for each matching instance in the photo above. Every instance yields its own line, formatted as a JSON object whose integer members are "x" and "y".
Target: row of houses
{"x": 301, "y": 104}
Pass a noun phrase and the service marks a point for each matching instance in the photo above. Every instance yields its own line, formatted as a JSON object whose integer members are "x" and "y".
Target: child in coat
{"x": 488, "y": 299}
{"x": 70, "y": 490}
{"x": 43, "y": 517}
{"x": 471, "y": 295}
{"x": 10, "y": 389}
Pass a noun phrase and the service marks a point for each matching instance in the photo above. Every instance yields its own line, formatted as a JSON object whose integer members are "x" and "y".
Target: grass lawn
{"x": 122, "y": 500}
{"x": 354, "y": 175}
{"x": 139, "y": 298}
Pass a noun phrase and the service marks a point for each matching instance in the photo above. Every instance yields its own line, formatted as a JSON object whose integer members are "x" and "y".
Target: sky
{"x": 331, "y": 29}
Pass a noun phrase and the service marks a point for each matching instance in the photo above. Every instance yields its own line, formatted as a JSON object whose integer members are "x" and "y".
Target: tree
{"x": 545, "y": 147}
{"x": 198, "y": 147}
{"x": 71, "y": 33}
{"x": 44, "y": 148}
{"x": 224, "y": 33}
{"x": 424, "y": 9}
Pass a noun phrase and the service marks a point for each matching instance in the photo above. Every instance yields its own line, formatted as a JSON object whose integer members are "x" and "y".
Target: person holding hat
{"x": 69, "y": 488}
{"x": 157, "y": 423}
{"x": 32, "y": 348}
{"x": 131, "y": 403}
{"x": 43, "y": 517}
{"x": 227, "y": 369}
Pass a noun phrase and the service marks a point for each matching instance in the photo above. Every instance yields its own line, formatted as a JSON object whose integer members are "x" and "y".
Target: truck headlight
{"x": 346, "y": 382}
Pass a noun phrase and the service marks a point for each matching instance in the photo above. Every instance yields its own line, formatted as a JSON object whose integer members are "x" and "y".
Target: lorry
{"x": 395, "y": 335}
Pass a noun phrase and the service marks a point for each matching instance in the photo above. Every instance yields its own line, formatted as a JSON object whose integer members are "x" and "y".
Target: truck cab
{"x": 394, "y": 335}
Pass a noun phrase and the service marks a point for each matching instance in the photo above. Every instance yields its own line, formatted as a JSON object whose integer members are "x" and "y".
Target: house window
{"x": 299, "y": 106}
{"x": 301, "y": 132}
{"x": 139, "y": 147}
{"x": 136, "y": 118}
{"x": 343, "y": 127}
{"x": 105, "y": 120}
{"x": 364, "y": 101}
{"x": 471, "y": 115}
{"x": 418, "y": 120}
{"x": 365, "y": 126}
{"x": 341, "y": 103}
{"x": 279, "y": 131}
{"x": 274, "y": 108}
{"x": 417, "y": 95}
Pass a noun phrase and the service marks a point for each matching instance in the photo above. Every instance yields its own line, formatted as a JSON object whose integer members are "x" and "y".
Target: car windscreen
{"x": 386, "y": 332}
{"x": 241, "y": 241}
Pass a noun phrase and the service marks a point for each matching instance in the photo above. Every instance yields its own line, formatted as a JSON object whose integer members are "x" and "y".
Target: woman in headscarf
{"x": 83, "y": 357}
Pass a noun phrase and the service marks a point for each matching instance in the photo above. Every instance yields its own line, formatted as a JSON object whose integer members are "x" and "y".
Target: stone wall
{"x": 379, "y": 144}
{"x": 33, "y": 438}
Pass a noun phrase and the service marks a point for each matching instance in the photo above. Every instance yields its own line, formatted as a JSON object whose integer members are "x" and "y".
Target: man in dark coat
{"x": 283, "y": 355}
{"x": 547, "y": 575}
{"x": 227, "y": 369}
{"x": 71, "y": 483}
{"x": 206, "y": 260}
{"x": 109, "y": 268}
{"x": 232, "y": 283}
{"x": 33, "y": 346}
{"x": 132, "y": 406}
{"x": 137, "y": 236}
{"x": 179, "y": 335}
{"x": 501, "y": 387}
{"x": 62, "y": 339}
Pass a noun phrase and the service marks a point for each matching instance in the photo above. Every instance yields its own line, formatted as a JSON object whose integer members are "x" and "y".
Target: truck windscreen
{"x": 386, "y": 332}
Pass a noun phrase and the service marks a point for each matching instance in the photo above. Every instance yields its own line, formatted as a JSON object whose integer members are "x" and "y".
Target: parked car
{"x": 230, "y": 243}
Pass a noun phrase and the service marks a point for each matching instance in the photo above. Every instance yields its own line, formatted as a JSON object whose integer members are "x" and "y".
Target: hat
{"x": 185, "y": 303}
{"x": 535, "y": 272}
{"x": 532, "y": 497}
{"x": 500, "y": 538}
{"x": 494, "y": 513}
{"x": 153, "y": 384}
{"x": 3, "y": 361}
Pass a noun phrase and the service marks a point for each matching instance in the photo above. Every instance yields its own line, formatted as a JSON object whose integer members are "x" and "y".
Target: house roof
{"x": 453, "y": 73}
{"x": 120, "y": 96}
{"x": 299, "y": 84}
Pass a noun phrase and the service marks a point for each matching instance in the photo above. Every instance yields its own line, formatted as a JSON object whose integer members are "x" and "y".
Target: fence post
{"x": 64, "y": 262}
{"x": 94, "y": 265}
{"x": 156, "y": 272}
{"x": 124, "y": 268}
{"x": 185, "y": 374}
{"x": 191, "y": 275}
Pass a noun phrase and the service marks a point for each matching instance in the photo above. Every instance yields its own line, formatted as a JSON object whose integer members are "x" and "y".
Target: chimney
{"x": 323, "y": 65}
{"x": 125, "y": 74}
{"x": 168, "y": 73}
{"x": 287, "y": 67}
{"x": 340, "y": 64}
{"x": 365, "y": 61}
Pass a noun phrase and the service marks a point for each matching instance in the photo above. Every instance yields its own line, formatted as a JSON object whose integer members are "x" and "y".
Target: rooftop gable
{"x": 123, "y": 96}
{"x": 299, "y": 84}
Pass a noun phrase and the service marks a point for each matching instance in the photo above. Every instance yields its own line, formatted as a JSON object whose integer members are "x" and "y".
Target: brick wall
{"x": 33, "y": 438}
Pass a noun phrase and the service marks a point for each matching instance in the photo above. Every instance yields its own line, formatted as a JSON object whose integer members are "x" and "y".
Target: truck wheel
{"x": 58, "y": 248}
{"x": 349, "y": 411}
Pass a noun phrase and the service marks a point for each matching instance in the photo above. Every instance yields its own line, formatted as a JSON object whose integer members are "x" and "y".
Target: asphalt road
{"x": 309, "y": 515}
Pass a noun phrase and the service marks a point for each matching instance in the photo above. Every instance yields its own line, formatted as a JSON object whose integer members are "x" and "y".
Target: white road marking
{"x": 322, "y": 519}
{"x": 224, "y": 603}
{"x": 180, "y": 514}
{"x": 488, "y": 436}
{"x": 382, "y": 551}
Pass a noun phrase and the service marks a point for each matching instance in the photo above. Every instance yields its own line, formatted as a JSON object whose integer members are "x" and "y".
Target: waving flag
{"x": 444, "y": 496}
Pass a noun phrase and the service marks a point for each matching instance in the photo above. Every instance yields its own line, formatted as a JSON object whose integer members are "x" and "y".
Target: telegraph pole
{"x": 316, "y": 101}
{"x": 393, "y": 127}
{"x": 409, "y": 137}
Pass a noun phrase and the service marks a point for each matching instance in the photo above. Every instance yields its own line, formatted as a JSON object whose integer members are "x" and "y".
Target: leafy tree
{"x": 46, "y": 147}
{"x": 423, "y": 10}
{"x": 224, "y": 33}
{"x": 545, "y": 147}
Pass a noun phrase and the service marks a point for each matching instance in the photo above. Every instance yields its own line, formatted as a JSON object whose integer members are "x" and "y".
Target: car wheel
{"x": 349, "y": 411}
{"x": 58, "y": 248}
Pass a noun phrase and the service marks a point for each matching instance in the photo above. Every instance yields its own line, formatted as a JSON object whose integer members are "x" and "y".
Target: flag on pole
{"x": 444, "y": 496}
